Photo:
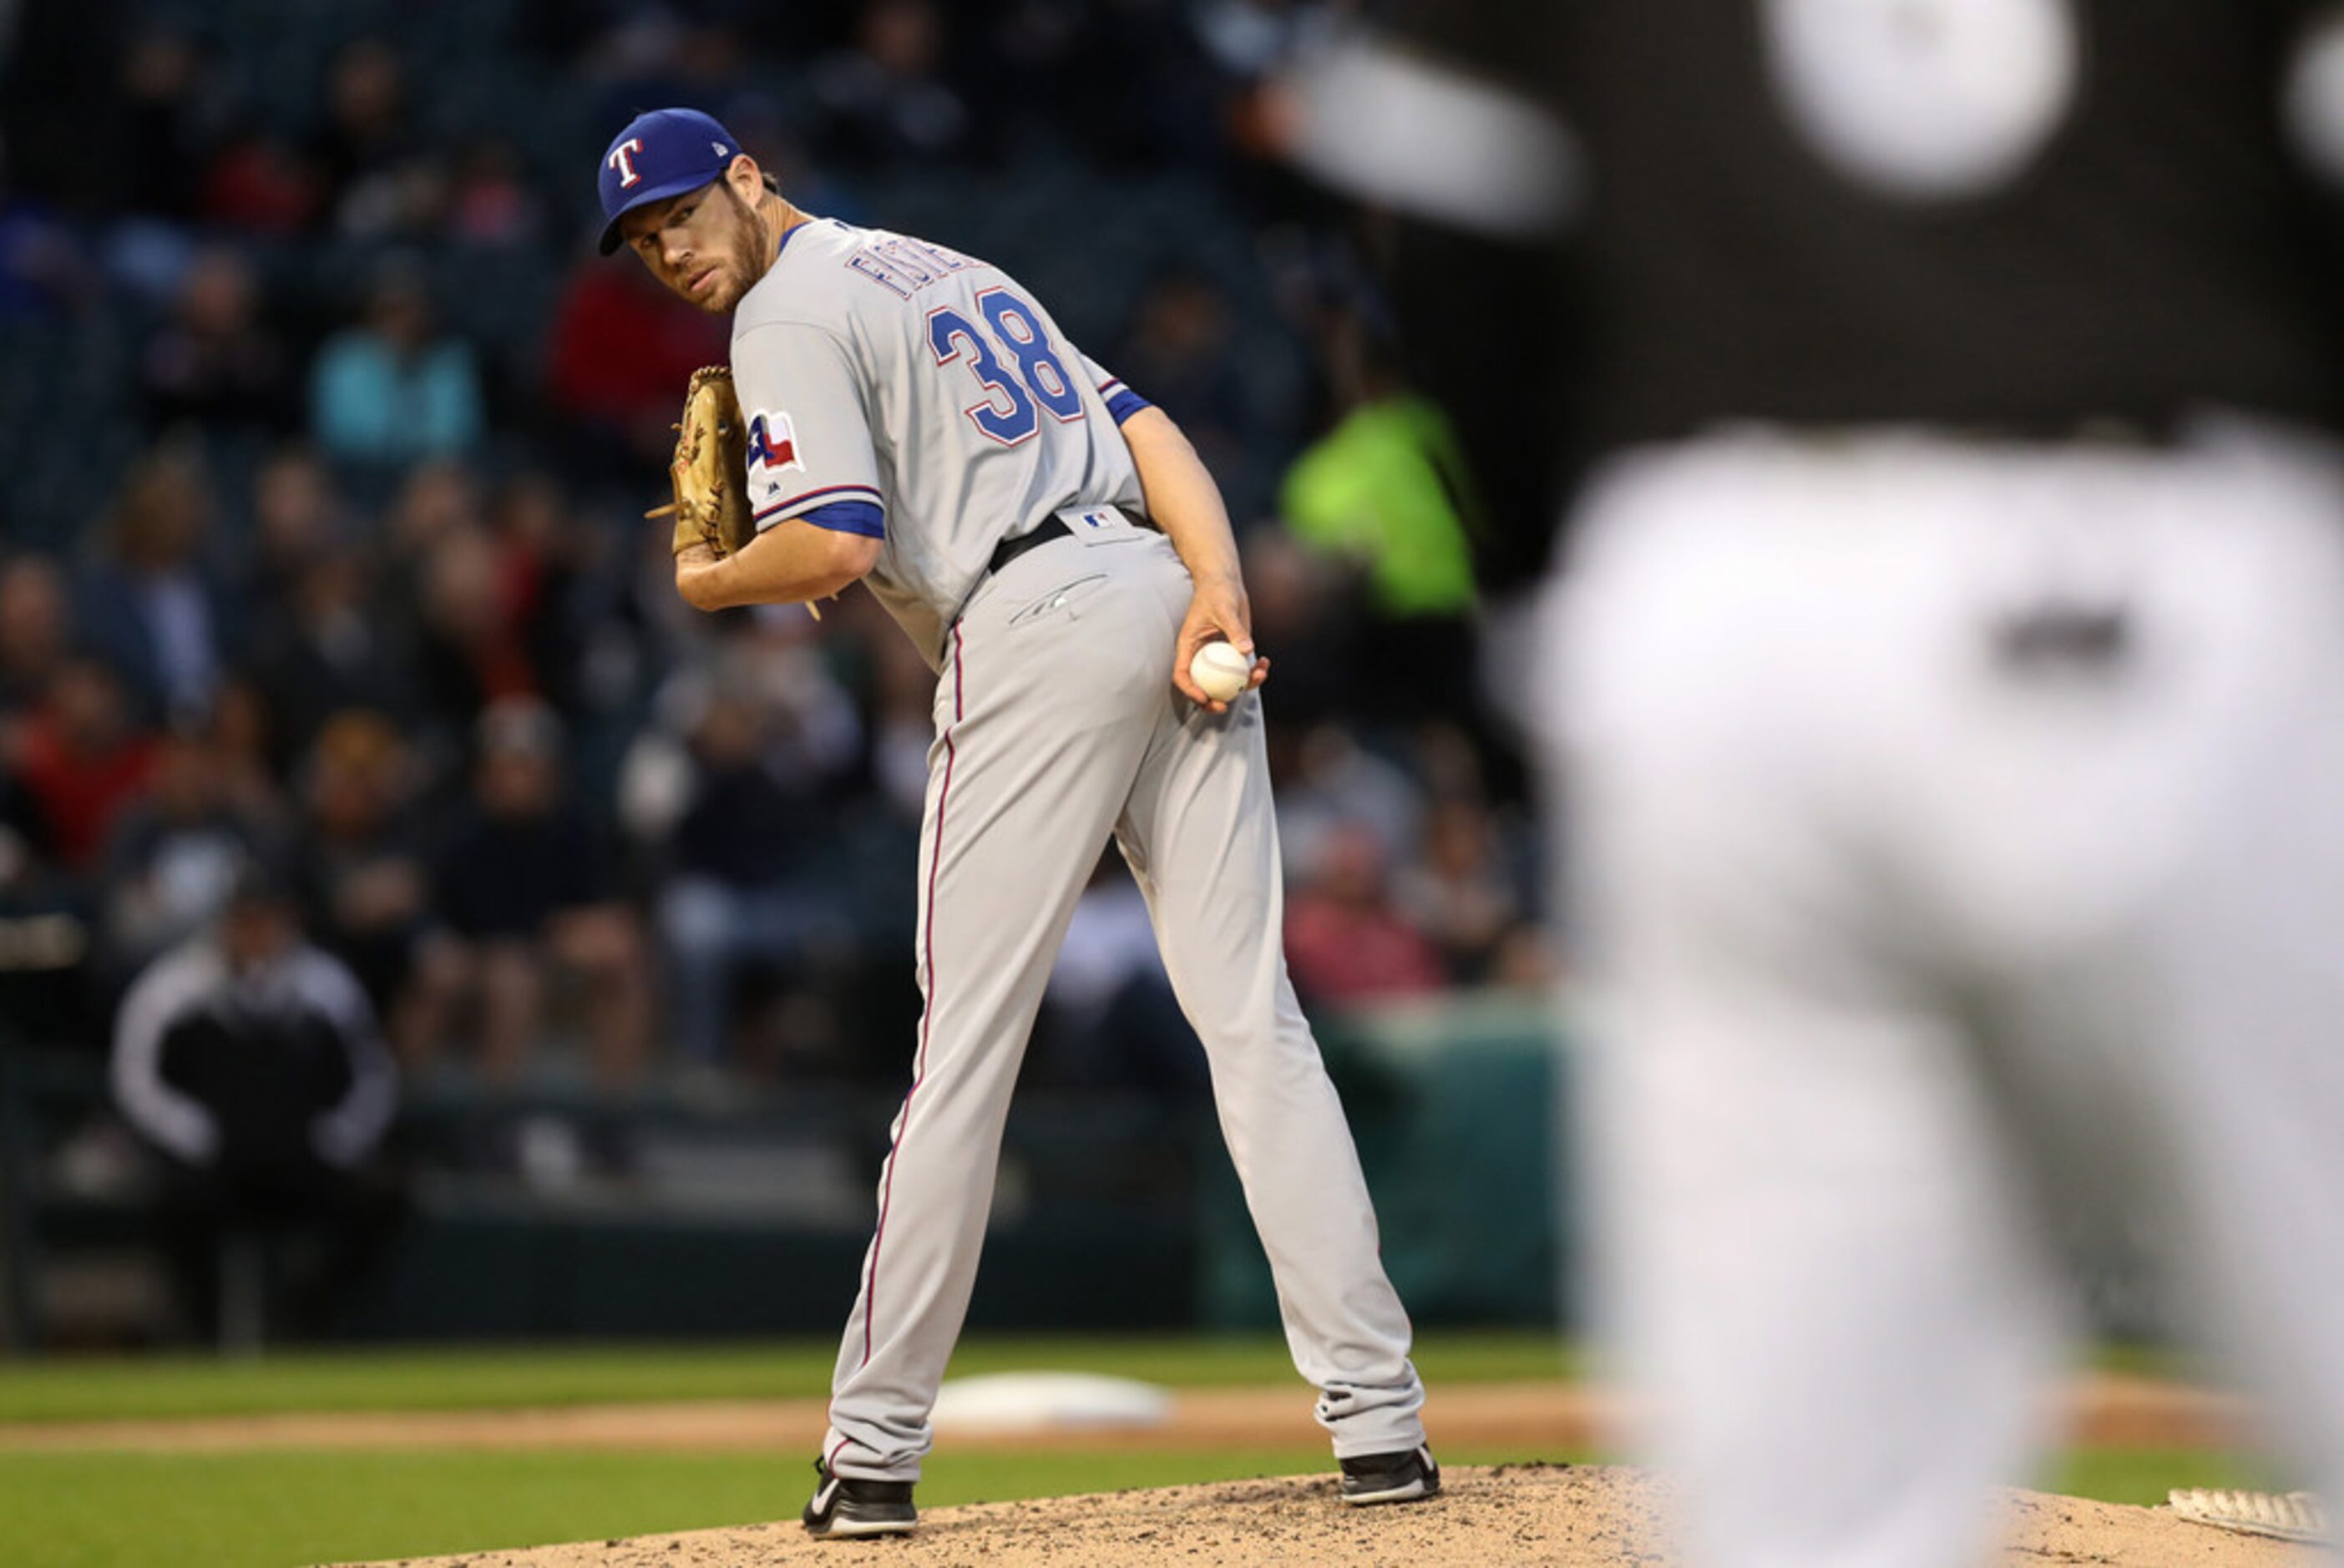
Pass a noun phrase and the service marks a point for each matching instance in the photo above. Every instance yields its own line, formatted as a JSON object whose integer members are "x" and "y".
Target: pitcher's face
{"x": 705, "y": 245}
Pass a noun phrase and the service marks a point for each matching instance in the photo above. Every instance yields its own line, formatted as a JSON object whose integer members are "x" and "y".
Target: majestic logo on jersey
{"x": 774, "y": 443}
{"x": 622, "y": 158}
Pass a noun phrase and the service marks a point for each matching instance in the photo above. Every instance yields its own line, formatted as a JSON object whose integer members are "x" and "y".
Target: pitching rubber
{"x": 2289, "y": 1516}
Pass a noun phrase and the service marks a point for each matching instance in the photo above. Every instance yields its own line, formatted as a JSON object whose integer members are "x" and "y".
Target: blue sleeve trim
{"x": 1123, "y": 402}
{"x": 861, "y": 517}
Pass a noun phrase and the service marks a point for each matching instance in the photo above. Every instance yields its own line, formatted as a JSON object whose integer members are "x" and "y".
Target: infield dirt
{"x": 1567, "y": 1516}
{"x": 2104, "y": 1409}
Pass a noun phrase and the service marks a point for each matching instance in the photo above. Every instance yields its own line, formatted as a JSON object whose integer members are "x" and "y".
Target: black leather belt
{"x": 1009, "y": 550}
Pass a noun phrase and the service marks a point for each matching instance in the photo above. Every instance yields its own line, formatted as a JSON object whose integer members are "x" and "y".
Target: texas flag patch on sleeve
{"x": 774, "y": 445}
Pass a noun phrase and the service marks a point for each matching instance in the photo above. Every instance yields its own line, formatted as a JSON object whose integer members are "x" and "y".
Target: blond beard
{"x": 746, "y": 253}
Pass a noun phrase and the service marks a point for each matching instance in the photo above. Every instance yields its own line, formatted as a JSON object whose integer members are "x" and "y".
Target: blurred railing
{"x": 548, "y": 1215}
{"x": 727, "y": 1209}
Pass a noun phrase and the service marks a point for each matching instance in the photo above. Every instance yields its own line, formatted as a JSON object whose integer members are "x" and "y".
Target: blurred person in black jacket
{"x": 737, "y": 895}
{"x": 217, "y": 362}
{"x": 251, "y": 1061}
{"x": 328, "y": 650}
{"x": 527, "y": 892}
{"x": 365, "y": 876}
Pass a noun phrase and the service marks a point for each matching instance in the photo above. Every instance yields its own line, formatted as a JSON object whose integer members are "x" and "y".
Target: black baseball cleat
{"x": 846, "y": 1507}
{"x": 1402, "y": 1477}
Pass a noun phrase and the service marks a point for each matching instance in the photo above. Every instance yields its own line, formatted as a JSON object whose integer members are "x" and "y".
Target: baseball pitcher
{"x": 912, "y": 418}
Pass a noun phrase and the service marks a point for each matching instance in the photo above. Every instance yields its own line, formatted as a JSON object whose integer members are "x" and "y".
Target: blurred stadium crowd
{"x": 323, "y": 441}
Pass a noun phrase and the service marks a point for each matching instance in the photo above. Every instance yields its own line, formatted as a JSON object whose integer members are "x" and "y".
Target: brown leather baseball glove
{"x": 709, "y": 473}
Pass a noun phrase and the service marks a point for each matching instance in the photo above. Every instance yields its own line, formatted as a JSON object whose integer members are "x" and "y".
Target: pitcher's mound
{"x": 1571, "y": 1516}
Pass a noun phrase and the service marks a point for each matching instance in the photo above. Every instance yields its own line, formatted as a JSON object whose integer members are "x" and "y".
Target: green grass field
{"x": 506, "y": 1378}
{"x": 277, "y": 1510}
{"x": 273, "y": 1510}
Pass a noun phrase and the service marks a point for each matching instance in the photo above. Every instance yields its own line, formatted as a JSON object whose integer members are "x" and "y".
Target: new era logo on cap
{"x": 659, "y": 155}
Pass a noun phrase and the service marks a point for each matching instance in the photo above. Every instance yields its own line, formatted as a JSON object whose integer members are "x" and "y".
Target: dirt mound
{"x": 1571, "y": 1516}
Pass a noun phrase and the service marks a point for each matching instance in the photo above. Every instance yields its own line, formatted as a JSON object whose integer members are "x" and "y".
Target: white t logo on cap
{"x": 623, "y": 163}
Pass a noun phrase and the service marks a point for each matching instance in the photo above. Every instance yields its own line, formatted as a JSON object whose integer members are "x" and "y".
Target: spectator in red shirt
{"x": 259, "y": 185}
{"x": 1344, "y": 941}
{"x": 82, "y": 760}
{"x": 622, "y": 348}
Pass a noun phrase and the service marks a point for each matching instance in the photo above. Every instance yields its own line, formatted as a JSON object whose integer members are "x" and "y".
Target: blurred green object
{"x": 1388, "y": 488}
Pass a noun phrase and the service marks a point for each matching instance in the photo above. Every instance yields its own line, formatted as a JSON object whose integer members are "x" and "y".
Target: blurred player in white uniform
{"x": 918, "y": 422}
{"x": 1946, "y": 689}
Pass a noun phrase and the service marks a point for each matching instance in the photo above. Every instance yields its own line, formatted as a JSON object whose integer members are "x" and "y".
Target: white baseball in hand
{"x": 1220, "y": 671}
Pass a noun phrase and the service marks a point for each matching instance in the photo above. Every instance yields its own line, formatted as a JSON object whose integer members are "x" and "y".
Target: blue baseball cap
{"x": 664, "y": 153}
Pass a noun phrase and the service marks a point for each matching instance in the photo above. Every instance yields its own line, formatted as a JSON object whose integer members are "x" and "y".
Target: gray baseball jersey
{"x": 898, "y": 389}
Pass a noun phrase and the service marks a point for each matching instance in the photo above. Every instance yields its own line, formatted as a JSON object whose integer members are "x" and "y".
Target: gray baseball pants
{"x": 1057, "y": 723}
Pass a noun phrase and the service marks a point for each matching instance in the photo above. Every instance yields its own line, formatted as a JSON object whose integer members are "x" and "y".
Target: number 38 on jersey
{"x": 1011, "y": 357}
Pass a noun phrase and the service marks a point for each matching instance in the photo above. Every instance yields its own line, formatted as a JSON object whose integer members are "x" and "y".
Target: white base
{"x": 1022, "y": 1401}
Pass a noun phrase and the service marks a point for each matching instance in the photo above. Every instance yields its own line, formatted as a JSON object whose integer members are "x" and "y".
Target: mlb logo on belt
{"x": 774, "y": 443}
